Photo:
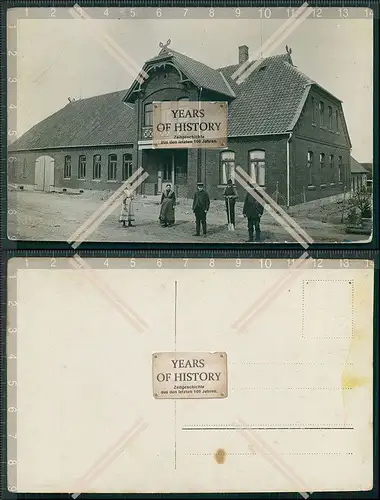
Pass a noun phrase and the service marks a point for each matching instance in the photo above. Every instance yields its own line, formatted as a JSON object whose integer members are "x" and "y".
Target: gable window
{"x": 82, "y": 167}
{"x": 127, "y": 166}
{"x": 148, "y": 115}
{"x": 322, "y": 167}
{"x": 340, "y": 170}
{"x": 310, "y": 162}
{"x": 313, "y": 110}
{"x": 330, "y": 118}
{"x": 337, "y": 121}
{"x": 67, "y": 167}
{"x": 332, "y": 169}
{"x": 321, "y": 113}
{"x": 97, "y": 167}
{"x": 227, "y": 166}
{"x": 24, "y": 168}
{"x": 257, "y": 166}
{"x": 112, "y": 167}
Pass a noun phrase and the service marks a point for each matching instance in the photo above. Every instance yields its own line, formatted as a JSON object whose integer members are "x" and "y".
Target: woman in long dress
{"x": 168, "y": 200}
{"x": 127, "y": 214}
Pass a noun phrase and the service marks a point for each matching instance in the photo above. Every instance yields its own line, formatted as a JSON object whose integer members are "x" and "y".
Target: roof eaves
{"x": 326, "y": 91}
{"x": 74, "y": 146}
{"x": 301, "y": 104}
{"x": 282, "y": 132}
{"x": 232, "y": 93}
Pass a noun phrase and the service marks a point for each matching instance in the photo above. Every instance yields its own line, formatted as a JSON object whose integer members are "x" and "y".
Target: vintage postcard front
{"x": 105, "y": 358}
{"x": 144, "y": 104}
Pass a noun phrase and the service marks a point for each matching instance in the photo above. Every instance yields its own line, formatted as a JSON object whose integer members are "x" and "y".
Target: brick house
{"x": 283, "y": 128}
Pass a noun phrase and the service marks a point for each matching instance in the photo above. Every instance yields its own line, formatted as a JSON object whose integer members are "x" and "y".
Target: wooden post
{"x": 304, "y": 194}
{"x": 277, "y": 192}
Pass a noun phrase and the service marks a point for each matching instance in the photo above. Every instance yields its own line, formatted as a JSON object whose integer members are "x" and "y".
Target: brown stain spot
{"x": 353, "y": 381}
{"x": 220, "y": 456}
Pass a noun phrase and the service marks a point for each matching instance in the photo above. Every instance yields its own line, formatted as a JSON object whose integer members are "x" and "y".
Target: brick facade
{"x": 308, "y": 180}
{"x": 22, "y": 170}
{"x": 328, "y": 138}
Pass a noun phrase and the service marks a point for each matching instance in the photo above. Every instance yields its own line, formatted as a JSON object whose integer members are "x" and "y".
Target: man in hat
{"x": 253, "y": 210}
{"x": 201, "y": 204}
{"x": 230, "y": 197}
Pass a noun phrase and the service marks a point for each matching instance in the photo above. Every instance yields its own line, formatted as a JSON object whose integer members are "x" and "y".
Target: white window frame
{"x": 227, "y": 166}
{"x": 67, "y": 167}
{"x": 112, "y": 167}
{"x": 257, "y": 166}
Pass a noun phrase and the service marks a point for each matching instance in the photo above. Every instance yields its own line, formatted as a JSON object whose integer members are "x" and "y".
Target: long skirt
{"x": 127, "y": 211}
{"x": 167, "y": 212}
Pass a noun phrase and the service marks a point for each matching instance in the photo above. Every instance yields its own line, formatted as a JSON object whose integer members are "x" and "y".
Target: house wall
{"x": 26, "y": 176}
{"x": 310, "y": 134}
{"x": 275, "y": 158}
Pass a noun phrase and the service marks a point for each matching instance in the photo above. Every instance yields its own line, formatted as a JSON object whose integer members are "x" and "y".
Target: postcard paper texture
{"x": 297, "y": 415}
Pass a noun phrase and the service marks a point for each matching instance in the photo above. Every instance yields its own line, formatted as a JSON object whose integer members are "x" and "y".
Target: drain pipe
{"x": 199, "y": 167}
{"x": 288, "y": 169}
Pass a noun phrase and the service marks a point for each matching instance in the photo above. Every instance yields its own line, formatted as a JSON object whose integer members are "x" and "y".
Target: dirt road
{"x": 55, "y": 216}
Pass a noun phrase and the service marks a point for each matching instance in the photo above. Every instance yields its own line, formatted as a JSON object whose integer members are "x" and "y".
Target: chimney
{"x": 243, "y": 54}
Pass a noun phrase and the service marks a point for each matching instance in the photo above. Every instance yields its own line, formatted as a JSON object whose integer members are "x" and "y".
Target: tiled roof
{"x": 268, "y": 101}
{"x": 199, "y": 73}
{"x": 356, "y": 167}
{"x": 99, "y": 120}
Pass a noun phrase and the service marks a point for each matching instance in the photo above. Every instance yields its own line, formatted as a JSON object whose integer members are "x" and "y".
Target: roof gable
{"x": 200, "y": 74}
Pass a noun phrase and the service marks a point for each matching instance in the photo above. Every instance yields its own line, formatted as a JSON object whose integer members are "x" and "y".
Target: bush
{"x": 360, "y": 203}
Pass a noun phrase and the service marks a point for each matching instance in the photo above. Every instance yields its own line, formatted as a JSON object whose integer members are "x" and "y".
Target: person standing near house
{"x": 127, "y": 214}
{"x": 230, "y": 197}
{"x": 201, "y": 205}
{"x": 168, "y": 200}
{"x": 253, "y": 210}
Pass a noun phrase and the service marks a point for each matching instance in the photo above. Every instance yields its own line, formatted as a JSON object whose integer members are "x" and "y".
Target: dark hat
{"x": 200, "y": 184}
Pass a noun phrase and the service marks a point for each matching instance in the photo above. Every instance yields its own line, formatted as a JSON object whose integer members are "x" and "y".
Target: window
{"x": 321, "y": 114}
{"x": 340, "y": 170}
{"x": 330, "y": 118}
{"x": 148, "y": 115}
{"x": 257, "y": 166}
{"x": 82, "y": 167}
{"x": 112, "y": 167}
{"x": 310, "y": 161}
{"x": 24, "y": 168}
{"x": 67, "y": 167}
{"x": 313, "y": 110}
{"x": 127, "y": 166}
{"x": 322, "y": 167}
{"x": 337, "y": 120}
{"x": 227, "y": 166}
{"x": 97, "y": 167}
{"x": 332, "y": 170}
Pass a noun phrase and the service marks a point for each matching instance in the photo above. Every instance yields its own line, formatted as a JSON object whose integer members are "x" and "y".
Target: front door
{"x": 165, "y": 174}
{"x": 44, "y": 174}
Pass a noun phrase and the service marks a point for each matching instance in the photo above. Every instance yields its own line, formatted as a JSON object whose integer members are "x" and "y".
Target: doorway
{"x": 44, "y": 174}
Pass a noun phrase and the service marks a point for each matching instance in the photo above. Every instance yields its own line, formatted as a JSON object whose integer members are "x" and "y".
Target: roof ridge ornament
{"x": 164, "y": 46}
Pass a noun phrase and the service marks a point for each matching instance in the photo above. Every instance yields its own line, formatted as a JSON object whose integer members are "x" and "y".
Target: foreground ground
{"x": 54, "y": 217}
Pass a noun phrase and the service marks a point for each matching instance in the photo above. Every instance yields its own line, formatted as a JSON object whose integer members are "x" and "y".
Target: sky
{"x": 61, "y": 58}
